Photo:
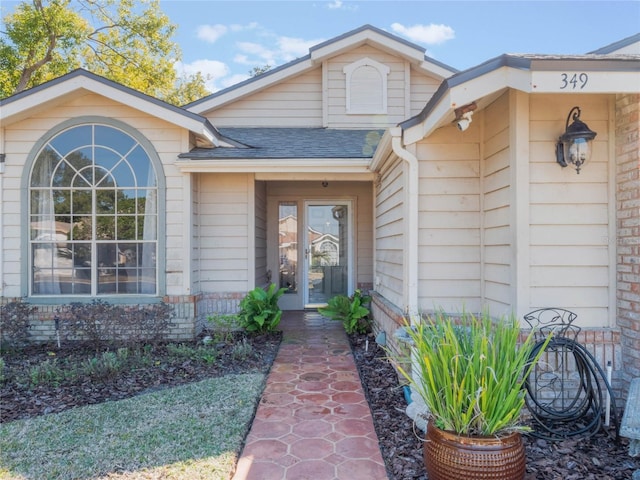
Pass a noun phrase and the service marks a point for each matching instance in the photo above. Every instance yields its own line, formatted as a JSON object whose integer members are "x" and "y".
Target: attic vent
{"x": 366, "y": 88}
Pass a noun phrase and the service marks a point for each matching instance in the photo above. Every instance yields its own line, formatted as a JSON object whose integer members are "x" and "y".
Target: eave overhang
{"x": 81, "y": 82}
{"x": 357, "y": 168}
{"x": 585, "y": 74}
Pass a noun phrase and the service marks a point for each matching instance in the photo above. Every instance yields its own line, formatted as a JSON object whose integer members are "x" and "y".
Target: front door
{"x": 327, "y": 251}
{"x": 319, "y": 266}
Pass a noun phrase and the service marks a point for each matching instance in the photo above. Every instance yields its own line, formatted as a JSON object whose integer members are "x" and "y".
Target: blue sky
{"x": 227, "y": 39}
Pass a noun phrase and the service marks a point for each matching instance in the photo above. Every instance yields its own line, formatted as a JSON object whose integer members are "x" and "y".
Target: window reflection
{"x": 288, "y": 245}
{"x": 93, "y": 215}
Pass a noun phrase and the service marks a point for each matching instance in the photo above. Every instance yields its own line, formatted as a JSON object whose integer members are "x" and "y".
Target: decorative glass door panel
{"x": 327, "y": 251}
{"x": 288, "y": 246}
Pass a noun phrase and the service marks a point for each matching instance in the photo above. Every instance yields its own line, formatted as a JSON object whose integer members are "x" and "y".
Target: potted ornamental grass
{"x": 470, "y": 372}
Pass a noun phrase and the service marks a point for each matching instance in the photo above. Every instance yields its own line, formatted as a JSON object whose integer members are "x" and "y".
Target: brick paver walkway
{"x": 313, "y": 421}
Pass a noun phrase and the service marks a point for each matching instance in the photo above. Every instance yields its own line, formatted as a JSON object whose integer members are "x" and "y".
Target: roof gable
{"x": 49, "y": 94}
{"x": 366, "y": 34}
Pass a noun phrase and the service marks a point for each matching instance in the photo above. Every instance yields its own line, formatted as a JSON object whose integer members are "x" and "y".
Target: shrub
{"x": 107, "y": 365}
{"x": 94, "y": 322}
{"x": 350, "y": 311}
{"x": 48, "y": 372}
{"x": 101, "y": 323}
{"x": 197, "y": 354}
{"x": 145, "y": 323}
{"x": 242, "y": 350}
{"x": 14, "y": 322}
{"x": 222, "y": 327}
{"x": 259, "y": 310}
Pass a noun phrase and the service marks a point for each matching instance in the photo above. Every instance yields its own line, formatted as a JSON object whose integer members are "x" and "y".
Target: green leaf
{"x": 126, "y": 41}
{"x": 469, "y": 371}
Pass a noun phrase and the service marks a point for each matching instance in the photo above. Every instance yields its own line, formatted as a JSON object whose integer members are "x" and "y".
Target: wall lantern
{"x": 574, "y": 145}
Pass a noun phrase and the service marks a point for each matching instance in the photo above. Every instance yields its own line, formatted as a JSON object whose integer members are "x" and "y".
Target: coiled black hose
{"x": 560, "y": 407}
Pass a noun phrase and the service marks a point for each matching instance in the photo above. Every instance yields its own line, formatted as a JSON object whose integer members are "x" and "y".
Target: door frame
{"x": 299, "y": 300}
{"x": 306, "y": 247}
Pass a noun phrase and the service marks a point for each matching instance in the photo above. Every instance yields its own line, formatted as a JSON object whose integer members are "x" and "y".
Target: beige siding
{"x": 496, "y": 208}
{"x": 336, "y": 91}
{"x": 449, "y": 220}
{"x": 262, "y": 277}
{"x": 20, "y": 138}
{"x": 570, "y": 245}
{"x": 422, "y": 89}
{"x": 305, "y": 101}
{"x": 364, "y": 237}
{"x": 195, "y": 225}
{"x": 294, "y": 103}
{"x": 389, "y": 222}
{"x": 224, "y": 219}
{"x": 11, "y": 209}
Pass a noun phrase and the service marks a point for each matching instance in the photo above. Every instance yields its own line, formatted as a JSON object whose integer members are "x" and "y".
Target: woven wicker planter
{"x": 448, "y": 456}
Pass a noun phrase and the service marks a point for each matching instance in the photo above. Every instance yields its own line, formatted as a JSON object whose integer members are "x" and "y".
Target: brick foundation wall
{"x": 183, "y": 326}
{"x": 387, "y": 318}
{"x": 216, "y": 303}
{"x": 627, "y": 153}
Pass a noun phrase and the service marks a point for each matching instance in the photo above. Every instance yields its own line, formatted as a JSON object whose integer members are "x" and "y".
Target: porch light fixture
{"x": 574, "y": 145}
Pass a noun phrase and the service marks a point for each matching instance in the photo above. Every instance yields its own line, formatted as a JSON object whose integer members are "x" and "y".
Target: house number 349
{"x": 573, "y": 81}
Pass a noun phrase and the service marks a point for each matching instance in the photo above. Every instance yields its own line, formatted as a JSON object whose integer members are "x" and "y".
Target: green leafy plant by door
{"x": 351, "y": 311}
{"x": 259, "y": 310}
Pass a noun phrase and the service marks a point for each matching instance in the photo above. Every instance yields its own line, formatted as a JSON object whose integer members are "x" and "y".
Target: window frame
{"x": 26, "y": 270}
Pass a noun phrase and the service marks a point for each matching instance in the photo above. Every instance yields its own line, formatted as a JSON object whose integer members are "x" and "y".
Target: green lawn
{"x": 189, "y": 432}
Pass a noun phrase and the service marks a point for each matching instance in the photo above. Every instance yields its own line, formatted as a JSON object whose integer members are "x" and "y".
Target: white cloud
{"x": 264, "y": 48}
{"x": 429, "y": 34}
{"x": 242, "y": 60}
{"x": 241, "y": 28}
{"x": 264, "y": 54}
{"x": 339, "y": 5}
{"x": 212, "y": 70}
{"x": 211, "y": 33}
{"x": 292, "y": 48}
{"x": 277, "y": 51}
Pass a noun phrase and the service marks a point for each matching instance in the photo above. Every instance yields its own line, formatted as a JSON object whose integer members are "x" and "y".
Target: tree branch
{"x": 29, "y": 70}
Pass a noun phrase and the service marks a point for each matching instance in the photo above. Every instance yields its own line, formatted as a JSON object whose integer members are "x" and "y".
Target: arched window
{"x": 366, "y": 87}
{"x": 329, "y": 253}
{"x": 93, "y": 214}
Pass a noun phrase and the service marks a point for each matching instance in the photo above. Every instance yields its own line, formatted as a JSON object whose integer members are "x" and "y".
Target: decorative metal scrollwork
{"x": 566, "y": 389}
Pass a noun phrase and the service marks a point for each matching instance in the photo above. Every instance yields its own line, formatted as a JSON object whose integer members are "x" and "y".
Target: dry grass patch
{"x": 189, "y": 432}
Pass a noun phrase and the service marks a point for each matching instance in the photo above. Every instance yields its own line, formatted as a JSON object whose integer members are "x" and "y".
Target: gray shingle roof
{"x": 292, "y": 143}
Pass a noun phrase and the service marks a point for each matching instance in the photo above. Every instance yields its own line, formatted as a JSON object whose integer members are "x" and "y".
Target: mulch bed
{"x": 164, "y": 369}
{"x": 598, "y": 458}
